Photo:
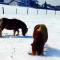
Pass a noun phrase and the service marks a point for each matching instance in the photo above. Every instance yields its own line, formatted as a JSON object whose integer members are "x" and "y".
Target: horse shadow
{"x": 53, "y": 52}
{"x": 11, "y": 36}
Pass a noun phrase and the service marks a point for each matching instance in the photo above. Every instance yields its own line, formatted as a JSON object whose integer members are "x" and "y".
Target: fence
{"x": 32, "y": 16}
{"x": 21, "y": 10}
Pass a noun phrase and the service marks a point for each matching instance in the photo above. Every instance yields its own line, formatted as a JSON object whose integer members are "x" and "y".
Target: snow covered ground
{"x": 17, "y": 48}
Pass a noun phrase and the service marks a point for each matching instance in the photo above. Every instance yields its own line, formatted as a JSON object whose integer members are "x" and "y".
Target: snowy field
{"x": 17, "y": 48}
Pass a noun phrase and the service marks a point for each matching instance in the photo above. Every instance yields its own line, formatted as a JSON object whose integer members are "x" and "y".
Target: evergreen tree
{"x": 1, "y": 0}
{"x": 34, "y": 3}
{"x": 45, "y": 5}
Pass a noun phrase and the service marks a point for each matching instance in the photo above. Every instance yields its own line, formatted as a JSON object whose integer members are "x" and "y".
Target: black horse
{"x": 13, "y": 24}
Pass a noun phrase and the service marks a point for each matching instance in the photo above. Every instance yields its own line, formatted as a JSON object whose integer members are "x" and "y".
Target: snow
{"x": 16, "y": 48}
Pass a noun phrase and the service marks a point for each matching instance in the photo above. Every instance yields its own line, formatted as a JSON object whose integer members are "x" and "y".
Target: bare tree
{"x": 11, "y": 1}
{"x": 45, "y": 6}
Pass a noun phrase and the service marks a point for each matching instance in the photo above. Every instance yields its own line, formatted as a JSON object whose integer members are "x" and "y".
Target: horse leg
{"x": 33, "y": 49}
{"x": 14, "y": 32}
{"x": 0, "y": 33}
{"x": 41, "y": 50}
{"x": 1, "y": 28}
{"x": 17, "y": 33}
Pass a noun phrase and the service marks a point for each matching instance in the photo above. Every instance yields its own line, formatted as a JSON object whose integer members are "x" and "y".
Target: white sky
{"x": 53, "y": 2}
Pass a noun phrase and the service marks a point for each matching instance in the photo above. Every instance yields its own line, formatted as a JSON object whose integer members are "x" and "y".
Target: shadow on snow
{"x": 11, "y": 36}
{"x": 53, "y": 52}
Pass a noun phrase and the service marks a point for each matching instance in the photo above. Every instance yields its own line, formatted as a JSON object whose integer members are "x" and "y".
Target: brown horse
{"x": 13, "y": 24}
{"x": 40, "y": 36}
